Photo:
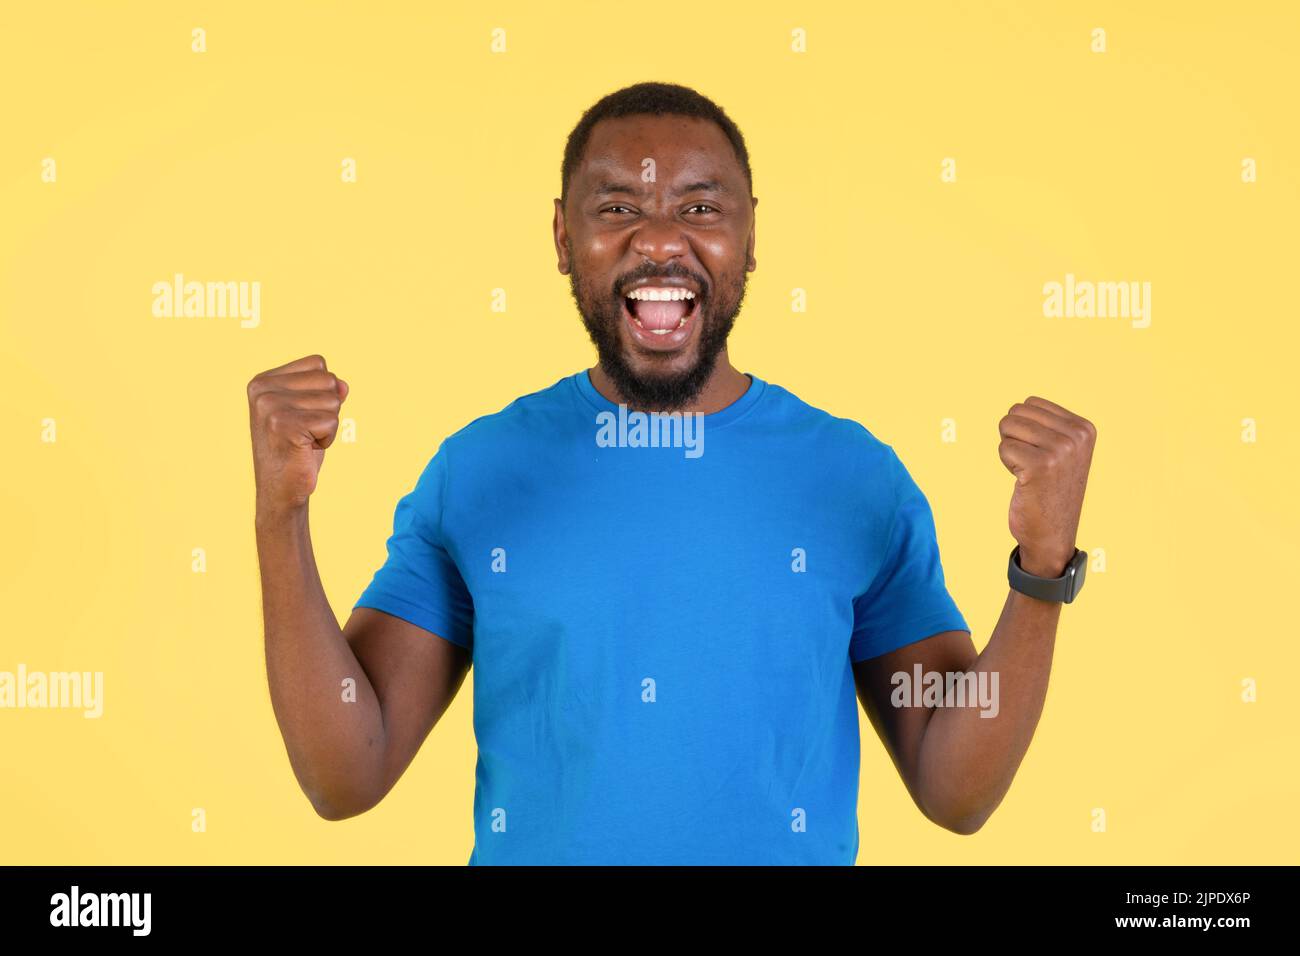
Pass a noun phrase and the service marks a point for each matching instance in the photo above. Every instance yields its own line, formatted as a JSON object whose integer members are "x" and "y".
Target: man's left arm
{"x": 956, "y": 763}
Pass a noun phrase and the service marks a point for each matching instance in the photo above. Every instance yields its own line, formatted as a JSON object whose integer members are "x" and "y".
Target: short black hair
{"x": 655, "y": 99}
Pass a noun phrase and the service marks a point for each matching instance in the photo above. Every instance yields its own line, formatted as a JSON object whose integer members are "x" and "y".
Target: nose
{"x": 659, "y": 239}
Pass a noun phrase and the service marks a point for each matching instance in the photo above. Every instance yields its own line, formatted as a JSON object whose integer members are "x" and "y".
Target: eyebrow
{"x": 703, "y": 185}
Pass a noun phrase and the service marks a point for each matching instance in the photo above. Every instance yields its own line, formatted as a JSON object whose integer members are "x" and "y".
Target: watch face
{"x": 1076, "y": 571}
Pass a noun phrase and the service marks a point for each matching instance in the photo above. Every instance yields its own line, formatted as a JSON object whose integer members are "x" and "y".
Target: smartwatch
{"x": 1063, "y": 589}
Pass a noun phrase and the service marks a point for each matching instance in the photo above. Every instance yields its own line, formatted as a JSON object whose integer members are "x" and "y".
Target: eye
{"x": 612, "y": 208}
{"x": 704, "y": 206}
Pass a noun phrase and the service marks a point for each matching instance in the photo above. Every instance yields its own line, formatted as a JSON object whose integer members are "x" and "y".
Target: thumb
{"x": 343, "y": 389}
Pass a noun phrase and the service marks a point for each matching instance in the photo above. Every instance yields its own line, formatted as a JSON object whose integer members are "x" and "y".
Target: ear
{"x": 561, "y": 236}
{"x": 750, "y": 263}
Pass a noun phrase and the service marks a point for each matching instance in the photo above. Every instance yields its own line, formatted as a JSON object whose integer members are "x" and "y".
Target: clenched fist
{"x": 1049, "y": 450}
{"x": 293, "y": 412}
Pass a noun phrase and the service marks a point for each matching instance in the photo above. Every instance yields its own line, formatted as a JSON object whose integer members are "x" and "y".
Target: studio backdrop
{"x": 961, "y": 204}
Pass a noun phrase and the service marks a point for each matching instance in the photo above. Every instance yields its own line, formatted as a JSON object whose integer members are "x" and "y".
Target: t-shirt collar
{"x": 582, "y": 382}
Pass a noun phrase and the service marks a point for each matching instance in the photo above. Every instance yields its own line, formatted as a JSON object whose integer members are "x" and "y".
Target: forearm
{"x": 335, "y": 747}
{"x": 967, "y": 761}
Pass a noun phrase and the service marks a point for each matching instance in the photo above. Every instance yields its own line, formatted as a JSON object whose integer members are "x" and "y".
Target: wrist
{"x": 1044, "y": 564}
{"x": 280, "y": 517}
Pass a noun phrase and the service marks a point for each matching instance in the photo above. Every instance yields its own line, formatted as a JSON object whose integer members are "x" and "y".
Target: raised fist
{"x": 1049, "y": 450}
{"x": 293, "y": 412}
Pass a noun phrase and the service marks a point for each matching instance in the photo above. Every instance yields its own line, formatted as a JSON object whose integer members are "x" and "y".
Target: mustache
{"x": 679, "y": 272}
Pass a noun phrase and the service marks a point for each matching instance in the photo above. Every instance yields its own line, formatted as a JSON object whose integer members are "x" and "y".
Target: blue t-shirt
{"x": 662, "y": 616}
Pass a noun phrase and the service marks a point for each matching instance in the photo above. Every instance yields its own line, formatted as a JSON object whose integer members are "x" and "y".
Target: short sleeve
{"x": 419, "y": 582}
{"x": 908, "y": 600}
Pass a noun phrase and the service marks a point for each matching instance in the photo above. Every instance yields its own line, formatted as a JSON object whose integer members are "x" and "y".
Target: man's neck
{"x": 725, "y": 385}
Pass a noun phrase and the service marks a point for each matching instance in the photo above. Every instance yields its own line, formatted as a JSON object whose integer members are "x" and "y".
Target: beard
{"x": 659, "y": 387}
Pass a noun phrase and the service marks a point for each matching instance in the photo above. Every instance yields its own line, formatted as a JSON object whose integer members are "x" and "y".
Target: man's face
{"x": 690, "y": 230}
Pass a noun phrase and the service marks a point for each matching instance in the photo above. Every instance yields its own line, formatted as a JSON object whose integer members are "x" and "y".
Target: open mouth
{"x": 661, "y": 318}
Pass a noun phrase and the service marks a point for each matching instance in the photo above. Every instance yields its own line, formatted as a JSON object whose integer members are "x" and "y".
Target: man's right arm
{"x": 348, "y": 743}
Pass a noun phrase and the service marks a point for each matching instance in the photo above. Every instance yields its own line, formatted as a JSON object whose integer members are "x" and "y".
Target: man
{"x": 669, "y": 614}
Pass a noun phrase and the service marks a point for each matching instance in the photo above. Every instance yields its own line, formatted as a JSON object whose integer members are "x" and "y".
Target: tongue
{"x": 661, "y": 315}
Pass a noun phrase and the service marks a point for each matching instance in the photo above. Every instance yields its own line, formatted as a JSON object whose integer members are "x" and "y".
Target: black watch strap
{"x": 1063, "y": 589}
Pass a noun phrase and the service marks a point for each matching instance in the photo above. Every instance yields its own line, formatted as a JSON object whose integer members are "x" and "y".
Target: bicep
{"x": 900, "y": 729}
{"x": 415, "y": 675}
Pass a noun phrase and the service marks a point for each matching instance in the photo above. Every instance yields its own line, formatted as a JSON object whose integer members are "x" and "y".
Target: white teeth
{"x": 660, "y": 295}
{"x": 659, "y": 331}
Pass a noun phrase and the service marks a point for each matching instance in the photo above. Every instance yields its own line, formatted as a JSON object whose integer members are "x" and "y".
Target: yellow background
{"x": 925, "y": 303}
